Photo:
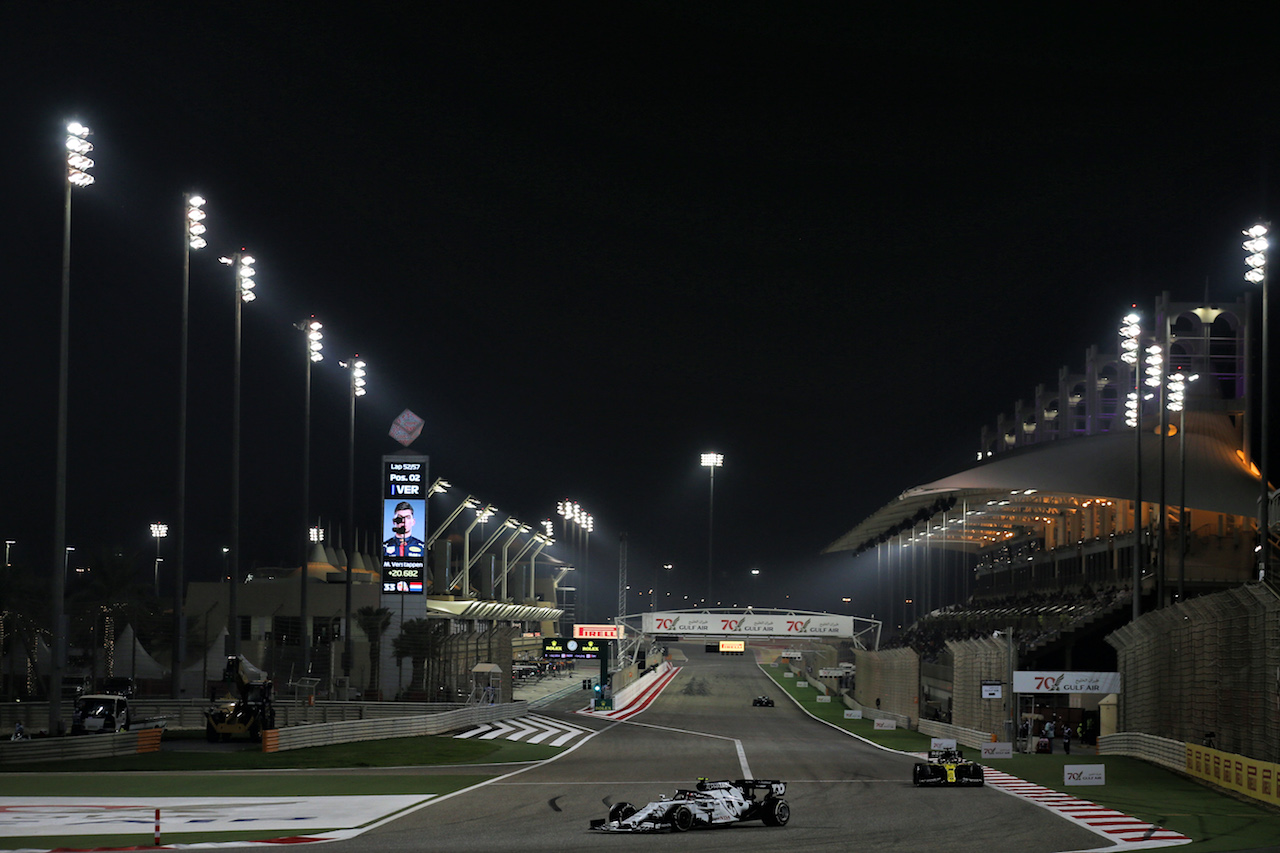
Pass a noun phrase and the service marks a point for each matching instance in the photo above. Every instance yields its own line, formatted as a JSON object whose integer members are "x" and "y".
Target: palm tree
{"x": 374, "y": 621}
{"x": 419, "y": 640}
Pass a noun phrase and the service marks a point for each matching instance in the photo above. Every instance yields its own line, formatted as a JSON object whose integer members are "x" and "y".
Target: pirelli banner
{"x": 1257, "y": 779}
{"x": 748, "y": 624}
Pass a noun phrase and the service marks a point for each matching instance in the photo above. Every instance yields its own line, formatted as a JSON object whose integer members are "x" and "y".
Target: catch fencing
{"x": 1206, "y": 669}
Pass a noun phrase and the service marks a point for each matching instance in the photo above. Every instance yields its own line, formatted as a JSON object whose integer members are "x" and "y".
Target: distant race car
{"x": 762, "y": 702}
{"x": 711, "y": 804}
{"x": 947, "y": 767}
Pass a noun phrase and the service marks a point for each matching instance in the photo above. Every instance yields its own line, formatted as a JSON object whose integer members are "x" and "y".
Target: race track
{"x": 845, "y": 794}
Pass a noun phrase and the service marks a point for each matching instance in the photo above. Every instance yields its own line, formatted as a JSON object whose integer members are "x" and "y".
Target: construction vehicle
{"x": 244, "y": 708}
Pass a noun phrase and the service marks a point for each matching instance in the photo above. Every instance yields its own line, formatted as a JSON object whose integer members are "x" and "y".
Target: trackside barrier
{"x": 189, "y": 713}
{"x": 1259, "y": 780}
{"x": 968, "y": 737}
{"x": 623, "y": 698}
{"x": 543, "y": 701}
{"x": 80, "y": 747}
{"x": 323, "y": 734}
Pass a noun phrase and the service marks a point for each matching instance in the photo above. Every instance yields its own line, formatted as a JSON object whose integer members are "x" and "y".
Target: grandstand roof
{"x": 1022, "y": 489}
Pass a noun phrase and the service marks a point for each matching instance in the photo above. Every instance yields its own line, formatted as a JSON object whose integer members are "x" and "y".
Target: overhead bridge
{"x": 755, "y": 623}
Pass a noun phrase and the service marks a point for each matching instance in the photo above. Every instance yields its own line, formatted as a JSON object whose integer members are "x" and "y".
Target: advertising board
{"x": 557, "y": 648}
{"x": 1057, "y": 681}
{"x": 752, "y": 624}
{"x": 597, "y": 632}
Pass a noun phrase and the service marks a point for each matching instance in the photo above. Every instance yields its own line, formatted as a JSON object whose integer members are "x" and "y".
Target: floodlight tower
{"x": 1130, "y": 333}
{"x": 356, "y": 369}
{"x": 711, "y": 461}
{"x": 1256, "y": 247}
{"x": 313, "y": 348}
{"x": 77, "y": 175}
{"x": 158, "y": 532}
{"x": 242, "y": 262}
{"x": 193, "y": 239}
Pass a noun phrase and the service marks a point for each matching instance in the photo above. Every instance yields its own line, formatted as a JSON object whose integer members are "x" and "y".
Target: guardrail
{"x": 323, "y": 734}
{"x": 79, "y": 748}
{"x": 969, "y": 737}
{"x": 1157, "y": 750}
{"x": 189, "y": 713}
{"x": 543, "y": 701}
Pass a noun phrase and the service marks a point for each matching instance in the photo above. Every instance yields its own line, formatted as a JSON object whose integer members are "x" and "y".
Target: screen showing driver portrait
{"x": 404, "y": 553}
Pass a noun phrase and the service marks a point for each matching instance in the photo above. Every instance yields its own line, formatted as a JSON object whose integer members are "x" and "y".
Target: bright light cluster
{"x": 244, "y": 273}
{"x": 1256, "y": 259}
{"x": 1129, "y": 333}
{"x": 1155, "y": 366}
{"x": 314, "y": 337}
{"x": 159, "y": 531}
{"x": 78, "y": 163}
{"x": 195, "y": 222}
{"x": 356, "y": 366}
{"x": 1177, "y": 390}
{"x": 573, "y": 512}
{"x": 713, "y": 460}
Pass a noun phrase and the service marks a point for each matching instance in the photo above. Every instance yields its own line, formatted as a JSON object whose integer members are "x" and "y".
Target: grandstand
{"x": 1079, "y": 543}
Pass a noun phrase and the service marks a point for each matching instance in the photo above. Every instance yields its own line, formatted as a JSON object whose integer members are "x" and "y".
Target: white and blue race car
{"x": 710, "y": 804}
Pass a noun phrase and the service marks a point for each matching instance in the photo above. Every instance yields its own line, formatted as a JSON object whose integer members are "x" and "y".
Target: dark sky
{"x": 587, "y": 243}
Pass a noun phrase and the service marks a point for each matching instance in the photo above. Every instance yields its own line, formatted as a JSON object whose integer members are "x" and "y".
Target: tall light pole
{"x": 1130, "y": 333}
{"x": 242, "y": 263}
{"x": 584, "y": 523}
{"x": 1177, "y": 403}
{"x": 355, "y": 368}
{"x": 78, "y": 166}
{"x": 1155, "y": 380}
{"x": 193, "y": 238}
{"x": 158, "y": 532}
{"x": 711, "y": 461}
{"x": 310, "y": 328}
{"x": 1256, "y": 247}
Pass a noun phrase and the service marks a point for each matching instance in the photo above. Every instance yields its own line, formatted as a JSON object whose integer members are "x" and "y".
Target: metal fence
{"x": 79, "y": 748}
{"x": 1206, "y": 669}
{"x": 889, "y": 681}
{"x": 976, "y": 661}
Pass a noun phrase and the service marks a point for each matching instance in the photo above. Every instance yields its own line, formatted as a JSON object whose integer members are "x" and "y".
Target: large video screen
{"x": 404, "y": 521}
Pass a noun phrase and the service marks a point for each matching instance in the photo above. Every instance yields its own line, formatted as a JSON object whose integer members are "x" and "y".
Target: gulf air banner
{"x": 748, "y": 624}
{"x": 1057, "y": 681}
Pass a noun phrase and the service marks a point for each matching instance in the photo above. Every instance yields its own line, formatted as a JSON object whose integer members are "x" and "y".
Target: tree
{"x": 419, "y": 640}
{"x": 374, "y": 621}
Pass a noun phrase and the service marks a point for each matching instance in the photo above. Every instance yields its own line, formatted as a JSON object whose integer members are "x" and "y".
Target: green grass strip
{"x": 1216, "y": 819}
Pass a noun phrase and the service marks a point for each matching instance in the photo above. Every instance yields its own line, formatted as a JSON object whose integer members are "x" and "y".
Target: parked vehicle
{"x": 244, "y": 709}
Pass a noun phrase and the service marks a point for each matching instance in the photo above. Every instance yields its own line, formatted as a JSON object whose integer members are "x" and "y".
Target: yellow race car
{"x": 947, "y": 767}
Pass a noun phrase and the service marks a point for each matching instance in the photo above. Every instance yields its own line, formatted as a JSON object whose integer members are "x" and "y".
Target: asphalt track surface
{"x": 845, "y": 794}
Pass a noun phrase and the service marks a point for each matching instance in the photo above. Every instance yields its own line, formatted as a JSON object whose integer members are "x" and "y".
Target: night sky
{"x": 587, "y": 243}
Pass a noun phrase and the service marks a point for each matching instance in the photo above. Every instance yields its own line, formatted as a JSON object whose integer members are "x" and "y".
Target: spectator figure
{"x": 1066, "y": 739}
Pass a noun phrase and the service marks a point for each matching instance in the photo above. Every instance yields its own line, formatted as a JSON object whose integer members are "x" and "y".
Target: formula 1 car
{"x": 712, "y": 804}
{"x": 947, "y": 767}
{"x": 762, "y": 702}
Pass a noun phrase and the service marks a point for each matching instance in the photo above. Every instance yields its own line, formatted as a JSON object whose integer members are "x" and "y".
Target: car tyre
{"x": 776, "y": 813}
{"x": 621, "y": 811}
{"x": 210, "y": 733}
{"x": 682, "y": 819}
{"x": 916, "y": 775}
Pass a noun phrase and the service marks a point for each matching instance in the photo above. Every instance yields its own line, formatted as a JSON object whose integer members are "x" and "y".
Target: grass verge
{"x": 1216, "y": 819}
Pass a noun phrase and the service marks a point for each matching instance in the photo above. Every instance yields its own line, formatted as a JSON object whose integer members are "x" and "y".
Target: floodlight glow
{"x": 713, "y": 460}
